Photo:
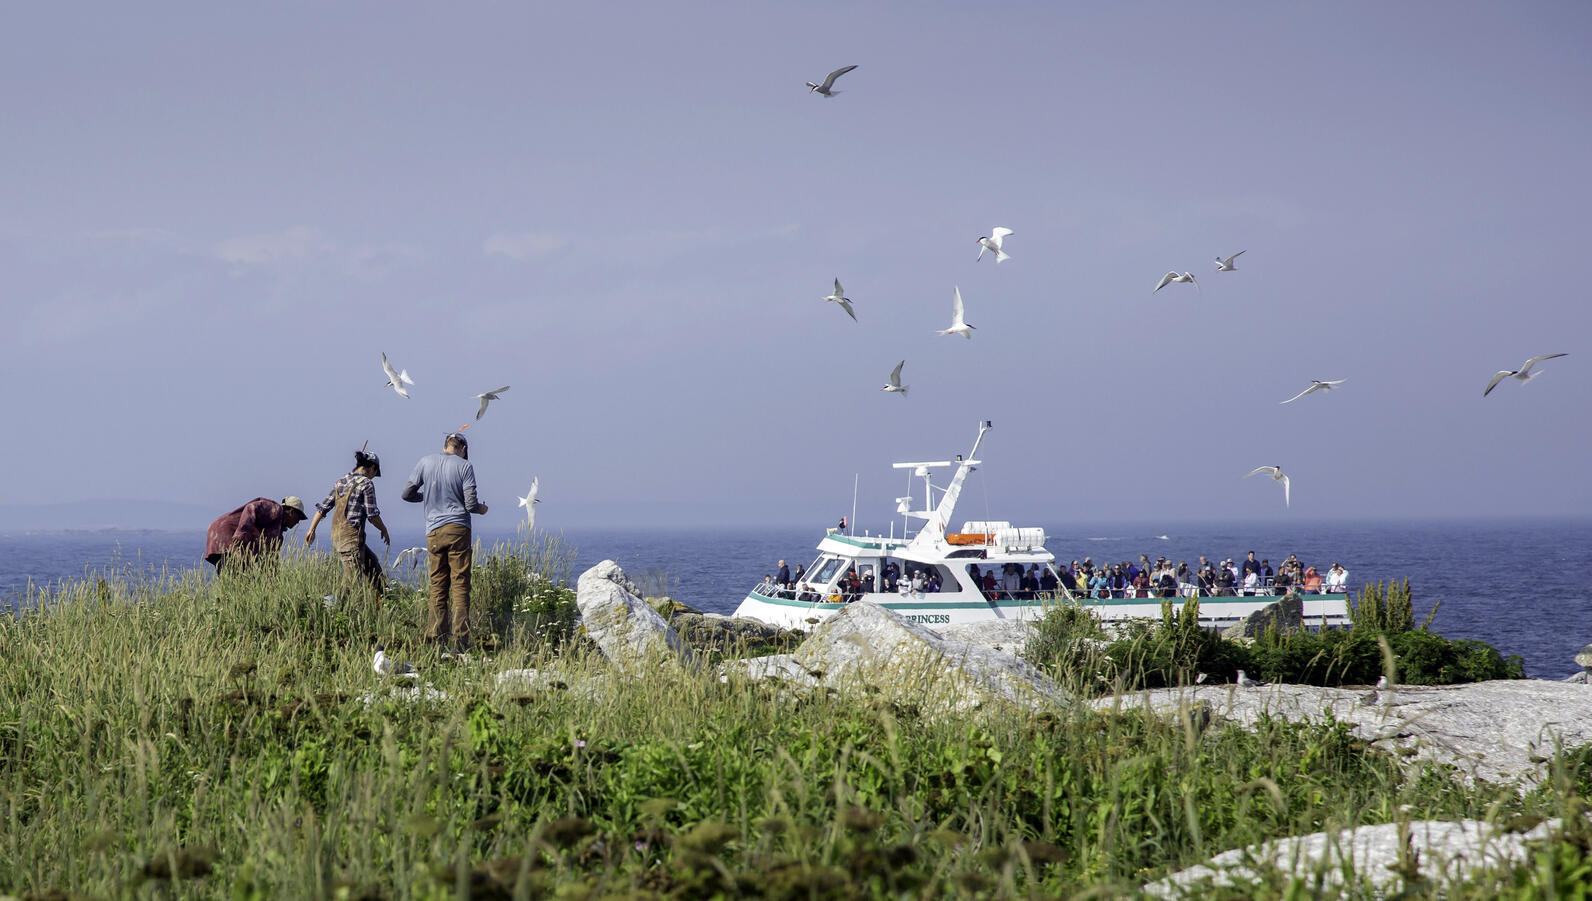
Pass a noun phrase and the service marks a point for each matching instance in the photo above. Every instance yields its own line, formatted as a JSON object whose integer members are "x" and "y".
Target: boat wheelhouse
{"x": 986, "y": 571}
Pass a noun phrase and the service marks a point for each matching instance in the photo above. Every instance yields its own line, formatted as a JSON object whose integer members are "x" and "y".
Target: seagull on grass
{"x": 397, "y": 379}
{"x": 895, "y": 380}
{"x": 1171, "y": 277}
{"x": 1521, "y": 375}
{"x": 395, "y": 669}
{"x": 829, "y": 82}
{"x": 529, "y": 502}
{"x": 487, "y": 398}
{"x": 1316, "y": 385}
{"x": 959, "y": 324}
{"x": 1228, "y": 265}
{"x": 992, "y": 243}
{"x": 845, "y": 302}
{"x": 1276, "y": 474}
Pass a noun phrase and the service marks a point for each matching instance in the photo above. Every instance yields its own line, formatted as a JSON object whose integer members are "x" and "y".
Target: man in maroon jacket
{"x": 252, "y": 530}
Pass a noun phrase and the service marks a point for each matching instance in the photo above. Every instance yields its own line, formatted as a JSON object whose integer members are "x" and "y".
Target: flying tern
{"x": 829, "y": 82}
{"x": 1228, "y": 265}
{"x": 1171, "y": 277}
{"x": 487, "y": 398}
{"x": 396, "y": 378}
{"x": 1276, "y": 474}
{"x": 386, "y": 666}
{"x": 992, "y": 243}
{"x": 1315, "y": 385}
{"x": 1521, "y": 375}
{"x": 845, "y": 302}
{"x": 959, "y": 324}
{"x": 895, "y": 380}
{"x": 412, "y": 554}
{"x": 529, "y": 502}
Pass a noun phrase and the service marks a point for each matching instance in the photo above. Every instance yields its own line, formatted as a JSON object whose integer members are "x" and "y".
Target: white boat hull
{"x": 934, "y": 611}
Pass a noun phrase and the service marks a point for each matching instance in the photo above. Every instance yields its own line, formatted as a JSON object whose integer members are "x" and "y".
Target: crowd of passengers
{"x": 1161, "y": 578}
{"x": 1145, "y": 579}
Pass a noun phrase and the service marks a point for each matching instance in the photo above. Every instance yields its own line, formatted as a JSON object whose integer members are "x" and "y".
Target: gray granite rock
{"x": 866, "y": 647}
{"x": 1007, "y": 635}
{"x": 631, "y": 634}
{"x": 1287, "y": 614}
{"x": 1442, "y": 851}
{"x": 1501, "y": 731}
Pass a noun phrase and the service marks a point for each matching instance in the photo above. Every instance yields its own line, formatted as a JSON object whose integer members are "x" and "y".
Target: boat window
{"x": 947, "y": 579}
{"x": 826, "y": 572}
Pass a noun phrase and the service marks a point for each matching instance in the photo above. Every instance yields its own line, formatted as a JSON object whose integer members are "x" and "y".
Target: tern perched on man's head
{"x": 959, "y": 324}
{"x": 396, "y": 378}
{"x": 992, "y": 243}
{"x": 1521, "y": 375}
{"x": 826, "y": 88}
{"x": 895, "y": 380}
{"x": 487, "y": 398}
{"x": 845, "y": 302}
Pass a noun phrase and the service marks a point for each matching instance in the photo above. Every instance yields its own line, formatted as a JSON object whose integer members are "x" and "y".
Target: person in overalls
{"x": 352, "y": 502}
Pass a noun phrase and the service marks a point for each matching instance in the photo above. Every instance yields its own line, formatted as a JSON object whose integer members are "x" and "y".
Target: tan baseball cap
{"x": 295, "y": 503}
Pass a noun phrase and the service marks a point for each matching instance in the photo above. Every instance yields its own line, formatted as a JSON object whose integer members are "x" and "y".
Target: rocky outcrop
{"x": 1501, "y": 731}
{"x": 705, "y": 631}
{"x": 1007, "y": 635}
{"x": 1438, "y": 851}
{"x": 866, "y": 647}
{"x": 1287, "y": 614}
{"x": 1584, "y": 659}
{"x": 631, "y": 634}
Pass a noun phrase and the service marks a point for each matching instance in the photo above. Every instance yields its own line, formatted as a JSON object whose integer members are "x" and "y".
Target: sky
{"x": 217, "y": 217}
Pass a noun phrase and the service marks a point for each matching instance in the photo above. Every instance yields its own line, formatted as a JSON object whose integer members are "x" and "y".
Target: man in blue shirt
{"x": 445, "y": 485}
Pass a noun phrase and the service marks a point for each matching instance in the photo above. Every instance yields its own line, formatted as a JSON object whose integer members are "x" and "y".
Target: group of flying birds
{"x": 994, "y": 242}
{"x": 398, "y": 379}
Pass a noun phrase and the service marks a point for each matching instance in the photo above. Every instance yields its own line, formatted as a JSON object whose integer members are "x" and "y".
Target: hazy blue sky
{"x": 214, "y": 219}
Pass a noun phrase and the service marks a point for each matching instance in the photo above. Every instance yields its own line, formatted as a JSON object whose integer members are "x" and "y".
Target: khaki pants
{"x": 448, "y": 548}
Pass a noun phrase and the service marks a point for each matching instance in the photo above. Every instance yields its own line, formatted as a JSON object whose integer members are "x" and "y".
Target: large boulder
{"x": 1502, "y": 731}
{"x": 867, "y": 648}
{"x": 1287, "y": 614}
{"x": 1440, "y": 851}
{"x": 1009, "y": 635}
{"x": 728, "y": 634}
{"x": 631, "y": 634}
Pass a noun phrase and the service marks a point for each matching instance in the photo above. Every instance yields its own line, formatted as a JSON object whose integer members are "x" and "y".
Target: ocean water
{"x": 1523, "y": 586}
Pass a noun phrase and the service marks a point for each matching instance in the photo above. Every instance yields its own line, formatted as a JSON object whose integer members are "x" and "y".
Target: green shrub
{"x": 522, "y": 590}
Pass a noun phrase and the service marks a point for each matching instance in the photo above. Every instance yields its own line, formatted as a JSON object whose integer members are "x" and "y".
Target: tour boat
{"x": 957, "y": 562}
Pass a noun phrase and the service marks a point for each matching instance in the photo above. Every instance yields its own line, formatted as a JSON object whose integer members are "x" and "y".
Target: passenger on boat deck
{"x": 1224, "y": 582}
{"x": 918, "y": 581}
{"x": 892, "y": 575}
{"x": 1185, "y": 579}
{"x": 801, "y": 573}
{"x": 1251, "y": 581}
{"x": 782, "y": 579}
{"x": 1097, "y": 585}
{"x": 991, "y": 587}
{"x": 1141, "y": 584}
{"x": 1168, "y": 582}
{"x": 1267, "y": 574}
{"x": 1337, "y": 579}
{"x": 1048, "y": 580}
{"x": 1312, "y": 581}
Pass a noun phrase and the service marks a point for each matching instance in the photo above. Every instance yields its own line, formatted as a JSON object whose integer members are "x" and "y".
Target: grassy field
{"x": 229, "y": 739}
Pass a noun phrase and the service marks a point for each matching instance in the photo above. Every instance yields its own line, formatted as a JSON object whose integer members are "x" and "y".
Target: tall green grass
{"x": 204, "y": 738}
